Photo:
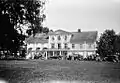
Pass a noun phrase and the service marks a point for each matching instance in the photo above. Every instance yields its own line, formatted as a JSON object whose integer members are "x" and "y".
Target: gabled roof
{"x": 59, "y": 32}
{"x": 38, "y": 38}
{"x": 81, "y": 37}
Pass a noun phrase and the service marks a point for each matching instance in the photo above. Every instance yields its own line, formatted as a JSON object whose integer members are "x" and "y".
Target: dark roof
{"x": 38, "y": 38}
{"x": 81, "y": 37}
{"x": 59, "y": 32}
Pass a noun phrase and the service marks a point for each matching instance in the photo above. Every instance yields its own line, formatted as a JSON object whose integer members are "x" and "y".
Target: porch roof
{"x": 37, "y": 39}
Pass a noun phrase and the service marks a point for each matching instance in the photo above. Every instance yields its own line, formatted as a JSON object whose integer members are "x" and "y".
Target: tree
{"x": 45, "y": 30}
{"x": 51, "y": 30}
{"x": 13, "y": 14}
{"x": 105, "y": 45}
{"x": 23, "y": 12}
{"x": 117, "y": 44}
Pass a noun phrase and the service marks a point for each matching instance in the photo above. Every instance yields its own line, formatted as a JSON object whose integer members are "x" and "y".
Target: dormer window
{"x": 59, "y": 38}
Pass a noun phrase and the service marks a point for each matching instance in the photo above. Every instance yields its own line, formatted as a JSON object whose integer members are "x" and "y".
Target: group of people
{"x": 35, "y": 55}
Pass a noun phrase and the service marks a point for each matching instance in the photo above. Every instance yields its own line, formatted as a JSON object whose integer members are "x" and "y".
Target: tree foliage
{"x": 10, "y": 38}
{"x": 13, "y": 14}
{"x": 105, "y": 45}
{"x": 45, "y": 30}
{"x": 117, "y": 44}
{"x": 23, "y": 12}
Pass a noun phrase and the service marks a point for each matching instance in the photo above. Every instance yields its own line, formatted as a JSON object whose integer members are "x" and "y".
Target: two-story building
{"x": 64, "y": 43}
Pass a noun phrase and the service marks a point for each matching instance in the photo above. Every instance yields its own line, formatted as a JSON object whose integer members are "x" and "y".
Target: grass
{"x": 59, "y": 71}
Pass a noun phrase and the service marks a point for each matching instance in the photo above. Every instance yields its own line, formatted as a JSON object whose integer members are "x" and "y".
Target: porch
{"x": 65, "y": 53}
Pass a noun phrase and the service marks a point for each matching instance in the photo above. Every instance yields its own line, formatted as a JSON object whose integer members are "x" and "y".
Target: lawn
{"x": 59, "y": 71}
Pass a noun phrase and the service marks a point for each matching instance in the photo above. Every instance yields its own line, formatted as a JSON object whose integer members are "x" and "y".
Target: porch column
{"x": 85, "y": 54}
{"x": 53, "y": 53}
{"x": 72, "y": 58}
{"x": 60, "y": 53}
{"x": 32, "y": 54}
{"x": 94, "y": 52}
{"x": 46, "y": 55}
{"x": 85, "y": 48}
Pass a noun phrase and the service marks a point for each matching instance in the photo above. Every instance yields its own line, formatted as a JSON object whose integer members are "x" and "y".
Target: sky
{"x": 87, "y": 15}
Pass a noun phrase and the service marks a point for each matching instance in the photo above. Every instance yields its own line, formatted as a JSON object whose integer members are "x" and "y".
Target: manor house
{"x": 63, "y": 43}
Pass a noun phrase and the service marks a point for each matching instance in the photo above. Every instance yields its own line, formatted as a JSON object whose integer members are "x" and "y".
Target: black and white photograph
{"x": 59, "y": 41}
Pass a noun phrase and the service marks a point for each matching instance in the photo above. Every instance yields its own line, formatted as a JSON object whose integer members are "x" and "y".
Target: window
{"x": 81, "y": 46}
{"x": 65, "y": 45}
{"x": 90, "y": 46}
{"x": 65, "y": 37}
{"x": 52, "y": 45}
{"x": 29, "y": 50}
{"x": 94, "y": 46}
{"x": 53, "y": 38}
{"x": 73, "y": 45}
{"x": 59, "y": 38}
{"x": 38, "y": 48}
{"x": 59, "y": 46}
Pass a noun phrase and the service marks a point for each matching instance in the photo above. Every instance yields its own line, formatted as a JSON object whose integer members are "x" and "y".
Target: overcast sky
{"x": 87, "y": 15}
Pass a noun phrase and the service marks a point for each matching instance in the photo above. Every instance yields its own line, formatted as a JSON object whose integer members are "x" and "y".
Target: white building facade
{"x": 64, "y": 43}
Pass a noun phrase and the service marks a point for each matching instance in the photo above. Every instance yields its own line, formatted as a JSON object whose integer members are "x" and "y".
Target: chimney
{"x": 79, "y": 30}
